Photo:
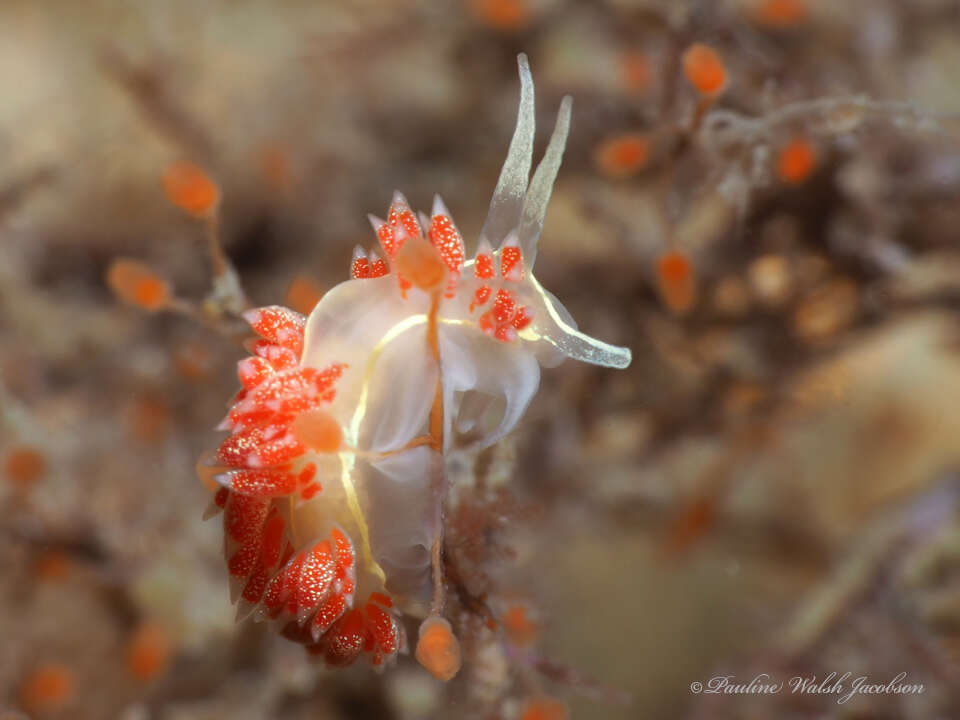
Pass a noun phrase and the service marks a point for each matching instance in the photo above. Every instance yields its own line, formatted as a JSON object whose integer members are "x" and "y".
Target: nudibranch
{"x": 332, "y": 478}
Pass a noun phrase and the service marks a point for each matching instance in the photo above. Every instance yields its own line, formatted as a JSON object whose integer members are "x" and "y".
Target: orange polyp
{"x": 693, "y": 521}
{"x": 318, "y": 430}
{"x": 438, "y": 649}
{"x": 275, "y": 164}
{"x": 51, "y": 566}
{"x": 520, "y": 629}
{"x": 622, "y": 155}
{"x": 47, "y": 689}
{"x": 635, "y": 70}
{"x": 545, "y": 708}
{"x": 303, "y": 294}
{"x": 135, "y": 283}
{"x": 704, "y": 69}
{"x": 149, "y": 418}
{"x": 193, "y": 360}
{"x": 676, "y": 282}
{"x": 190, "y": 188}
{"x": 148, "y": 652}
{"x": 421, "y": 264}
{"x": 781, "y": 13}
{"x": 796, "y": 161}
{"x": 24, "y": 466}
{"x": 504, "y": 15}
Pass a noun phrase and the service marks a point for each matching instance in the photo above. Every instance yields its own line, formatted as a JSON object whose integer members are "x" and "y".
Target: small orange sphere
{"x": 545, "y": 708}
{"x": 51, "y": 566}
{"x": 275, "y": 164}
{"x": 438, "y": 649}
{"x": 190, "y": 188}
{"x": 635, "y": 71}
{"x": 136, "y": 284}
{"x": 47, "y": 689}
{"x": 303, "y": 294}
{"x": 148, "y": 652}
{"x": 150, "y": 418}
{"x": 780, "y": 14}
{"x": 796, "y": 161}
{"x": 676, "y": 282}
{"x": 193, "y": 360}
{"x": 24, "y": 466}
{"x": 520, "y": 628}
{"x": 622, "y": 155}
{"x": 704, "y": 69}
{"x": 503, "y": 15}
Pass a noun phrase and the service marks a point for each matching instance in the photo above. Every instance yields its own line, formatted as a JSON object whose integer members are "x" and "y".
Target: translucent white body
{"x": 386, "y": 394}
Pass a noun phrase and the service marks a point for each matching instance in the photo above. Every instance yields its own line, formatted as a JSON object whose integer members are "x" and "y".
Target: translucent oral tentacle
{"x": 541, "y": 186}
{"x": 506, "y": 204}
{"x": 569, "y": 340}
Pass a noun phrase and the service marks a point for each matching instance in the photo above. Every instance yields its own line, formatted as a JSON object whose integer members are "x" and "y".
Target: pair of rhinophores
{"x": 333, "y": 474}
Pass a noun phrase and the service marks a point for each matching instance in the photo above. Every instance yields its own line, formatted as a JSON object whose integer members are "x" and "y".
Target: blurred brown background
{"x": 771, "y": 487}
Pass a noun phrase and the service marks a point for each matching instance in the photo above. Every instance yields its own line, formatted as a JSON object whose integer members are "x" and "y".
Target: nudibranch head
{"x": 495, "y": 323}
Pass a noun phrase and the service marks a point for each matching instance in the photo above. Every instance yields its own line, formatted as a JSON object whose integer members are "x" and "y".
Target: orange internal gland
{"x": 190, "y": 188}
{"x": 676, "y": 282}
{"x": 545, "y": 708}
{"x": 623, "y": 155}
{"x": 635, "y": 71}
{"x": 420, "y": 262}
{"x": 704, "y": 69}
{"x": 318, "y": 430}
{"x": 796, "y": 161}
{"x": 438, "y": 649}
{"x": 303, "y": 294}
{"x": 47, "y": 689}
{"x": 148, "y": 652}
{"x": 136, "y": 284}
{"x": 781, "y": 14}
{"x": 503, "y": 15}
{"x": 24, "y": 466}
